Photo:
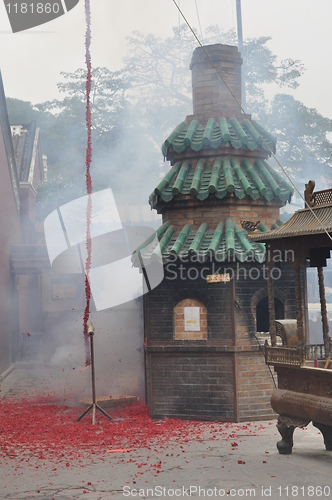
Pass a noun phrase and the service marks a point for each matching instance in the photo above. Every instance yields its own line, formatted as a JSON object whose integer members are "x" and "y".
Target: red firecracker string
{"x": 88, "y": 180}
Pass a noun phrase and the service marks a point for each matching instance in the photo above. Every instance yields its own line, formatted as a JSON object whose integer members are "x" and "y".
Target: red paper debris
{"x": 34, "y": 430}
{"x": 120, "y": 450}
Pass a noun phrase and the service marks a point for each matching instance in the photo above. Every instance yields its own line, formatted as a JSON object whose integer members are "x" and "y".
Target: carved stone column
{"x": 272, "y": 315}
{"x": 298, "y": 304}
{"x": 323, "y": 310}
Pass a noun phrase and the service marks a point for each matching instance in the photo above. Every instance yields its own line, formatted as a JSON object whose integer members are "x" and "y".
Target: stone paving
{"x": 201, "y": 469}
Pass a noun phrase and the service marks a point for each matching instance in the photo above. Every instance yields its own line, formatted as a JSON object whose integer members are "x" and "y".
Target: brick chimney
{"x": 211, "y": 98}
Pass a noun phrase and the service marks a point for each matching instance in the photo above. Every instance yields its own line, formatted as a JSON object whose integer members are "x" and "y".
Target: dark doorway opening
{"x": 262, "y": 313}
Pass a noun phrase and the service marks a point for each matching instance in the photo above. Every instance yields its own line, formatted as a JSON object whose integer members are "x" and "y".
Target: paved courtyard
{"x": 201, "y": 459}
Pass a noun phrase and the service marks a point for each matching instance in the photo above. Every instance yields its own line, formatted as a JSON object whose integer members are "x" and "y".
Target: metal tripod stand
{"x": 94, "y": 405}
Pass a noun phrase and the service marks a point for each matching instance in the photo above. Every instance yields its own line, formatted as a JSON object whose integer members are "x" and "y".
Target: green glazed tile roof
{"x": 225, "y": 176}
{"x": 216, "y": 132}
{"x": 226, "y": 240}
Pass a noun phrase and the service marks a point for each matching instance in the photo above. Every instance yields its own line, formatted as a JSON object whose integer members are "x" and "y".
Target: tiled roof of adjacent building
{"x": 227, "y": 240}
{"x": 25, "y": 138}
{"x": 215, "y": 133}
{"x": 8, "y": 144}
{"x": 317, "y": 220}
{"x": 225, "y": 176}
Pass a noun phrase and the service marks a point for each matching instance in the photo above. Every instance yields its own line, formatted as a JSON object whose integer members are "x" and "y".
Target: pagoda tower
{"x": 202, "y": 356}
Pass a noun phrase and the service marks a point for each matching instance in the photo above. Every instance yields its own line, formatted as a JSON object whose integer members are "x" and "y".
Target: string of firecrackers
{"x": 88, "y": 179}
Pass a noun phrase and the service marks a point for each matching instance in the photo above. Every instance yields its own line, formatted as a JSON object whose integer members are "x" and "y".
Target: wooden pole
{"x": 323, "y": 310}
{"x": 240, "y": 44}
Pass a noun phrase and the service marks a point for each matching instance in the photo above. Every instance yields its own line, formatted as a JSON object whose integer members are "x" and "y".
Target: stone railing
{"x": 322, "y": 197}
{"x": 315, "y": 351}
{"x": 293, "y": 356}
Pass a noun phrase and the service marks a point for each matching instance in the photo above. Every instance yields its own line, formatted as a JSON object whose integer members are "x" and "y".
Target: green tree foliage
{"x": 303, "y": 146}
{"x": 134, "y": 109}
{"x": 64, "y": 134}
{"x": 160, "y": 73}
{"x": 160, "y": 79}
{"x": 22, "y": 112}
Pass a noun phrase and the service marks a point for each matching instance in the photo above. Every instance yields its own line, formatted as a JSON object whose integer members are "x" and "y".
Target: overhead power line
{"x": 199, "y": 21}
{"x": 306, "y": 204}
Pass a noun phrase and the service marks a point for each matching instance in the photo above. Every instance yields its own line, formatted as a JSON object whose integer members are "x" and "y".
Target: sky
{"x": 31, "y": 61}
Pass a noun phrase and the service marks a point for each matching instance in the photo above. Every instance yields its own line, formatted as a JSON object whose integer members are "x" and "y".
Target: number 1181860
{"x": 33, "y": 8}
{"x": 304, "y": 491}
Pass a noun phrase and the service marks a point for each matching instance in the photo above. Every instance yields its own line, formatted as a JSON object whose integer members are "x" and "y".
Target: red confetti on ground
{"x": 44, "y": 430}
{"x": 40, "y": 430}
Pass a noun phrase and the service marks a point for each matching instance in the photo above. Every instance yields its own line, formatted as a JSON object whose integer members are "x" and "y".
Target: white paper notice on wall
{"x": 191, "y": 319}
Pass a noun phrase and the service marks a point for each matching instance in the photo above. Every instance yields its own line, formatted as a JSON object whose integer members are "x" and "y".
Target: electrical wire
{"x": 306, "y": 204}
{"x": 232, "y": 9}
{"x": 199, "y": 21}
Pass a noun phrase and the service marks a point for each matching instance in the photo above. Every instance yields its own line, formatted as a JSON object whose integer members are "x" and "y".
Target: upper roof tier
{"x": 217, "y": 121}
{"x": 216, "y": 133}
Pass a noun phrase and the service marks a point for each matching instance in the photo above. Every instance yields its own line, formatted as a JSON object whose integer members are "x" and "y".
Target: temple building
{"x": 203, "y": 357}
{"x": 23, "y": 169}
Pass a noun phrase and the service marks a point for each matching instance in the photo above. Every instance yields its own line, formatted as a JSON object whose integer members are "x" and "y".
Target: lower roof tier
{"x": 223, "y": 176}
{"x": 224, "y": 242}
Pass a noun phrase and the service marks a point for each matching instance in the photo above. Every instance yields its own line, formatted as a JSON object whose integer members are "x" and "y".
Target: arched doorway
{"x": 262, "y": 313}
